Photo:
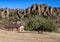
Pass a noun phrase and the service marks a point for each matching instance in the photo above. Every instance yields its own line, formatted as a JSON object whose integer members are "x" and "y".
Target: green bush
{"x": 34, "y": 12}
{"x": 40, "y": 24}
{"x": 48, "y": 26}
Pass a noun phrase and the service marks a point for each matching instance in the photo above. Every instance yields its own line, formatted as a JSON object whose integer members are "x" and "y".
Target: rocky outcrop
{"x": 43, "y": 8}
{"x": 4, "y": 13}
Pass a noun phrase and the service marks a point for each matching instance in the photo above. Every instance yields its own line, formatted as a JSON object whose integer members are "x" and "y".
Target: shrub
{"x": 38, "y": 24}
{"x": 34, "y": 12}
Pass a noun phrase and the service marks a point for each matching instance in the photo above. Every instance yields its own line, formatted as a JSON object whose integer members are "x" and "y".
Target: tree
{"x": 34, "y": 12}
{"x": 0, "y": 16}
{"x": 32, "y": 23}
{"x": 40, "y": 24}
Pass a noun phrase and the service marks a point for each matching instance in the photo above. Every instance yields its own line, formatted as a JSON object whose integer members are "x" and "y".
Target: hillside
{"x": 42, "y": 9}
{"x": 38, "y": 10}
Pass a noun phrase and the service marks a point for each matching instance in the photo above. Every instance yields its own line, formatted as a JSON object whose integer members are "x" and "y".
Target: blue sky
{"x": 26, "y": 3}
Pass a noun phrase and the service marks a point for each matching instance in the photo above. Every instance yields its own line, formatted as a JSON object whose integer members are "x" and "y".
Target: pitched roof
{"x": 13, "y": 26}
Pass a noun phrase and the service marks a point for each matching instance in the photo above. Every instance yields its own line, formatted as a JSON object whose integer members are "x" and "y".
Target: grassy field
{"x": 10, "y": 36}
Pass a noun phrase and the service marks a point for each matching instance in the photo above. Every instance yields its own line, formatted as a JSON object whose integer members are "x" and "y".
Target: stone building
{"x": 15, "y": 27}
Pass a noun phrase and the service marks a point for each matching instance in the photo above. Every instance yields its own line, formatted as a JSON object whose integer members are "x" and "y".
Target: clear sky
{"x": 25, "y": 3}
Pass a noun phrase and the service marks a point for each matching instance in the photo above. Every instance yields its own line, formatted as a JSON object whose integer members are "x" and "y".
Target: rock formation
{"x": 5, "y": 12}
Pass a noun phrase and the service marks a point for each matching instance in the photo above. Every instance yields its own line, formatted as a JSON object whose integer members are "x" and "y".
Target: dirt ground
{"x": 10, "y": 36}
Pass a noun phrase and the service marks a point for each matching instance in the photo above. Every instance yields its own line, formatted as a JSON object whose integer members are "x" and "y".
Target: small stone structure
{"x": 15, "y": 27}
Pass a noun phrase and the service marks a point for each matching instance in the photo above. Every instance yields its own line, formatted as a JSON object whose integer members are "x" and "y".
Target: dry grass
{"x": 9, "y": 36}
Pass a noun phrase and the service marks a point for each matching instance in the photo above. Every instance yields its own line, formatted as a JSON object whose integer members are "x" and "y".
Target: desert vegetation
{"x": 36, "y": 23}
{"x": 34, "y": 18}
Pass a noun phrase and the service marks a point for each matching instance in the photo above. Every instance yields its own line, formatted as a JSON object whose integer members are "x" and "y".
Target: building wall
{"x": 21, "y": 29}
{"x": 15, "y": 29}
